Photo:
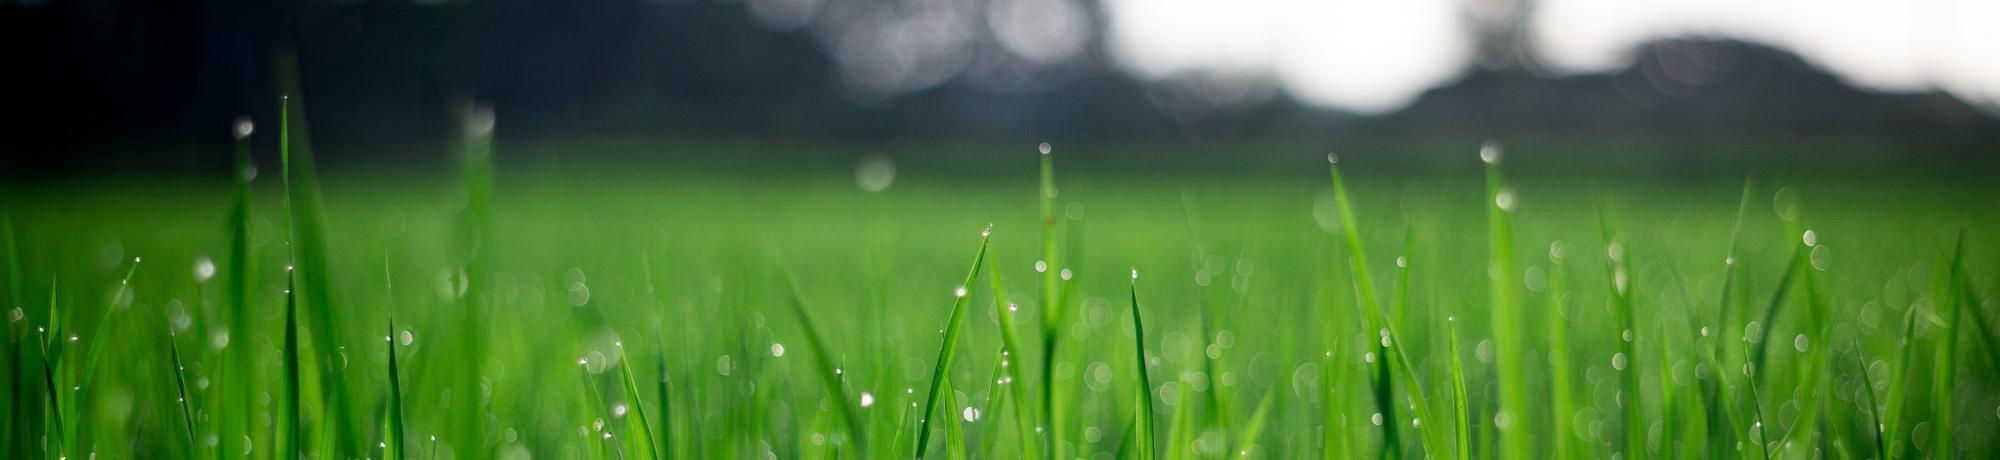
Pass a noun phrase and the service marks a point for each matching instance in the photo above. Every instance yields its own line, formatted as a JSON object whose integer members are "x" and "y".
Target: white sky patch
{"x": 1374, "y": 56}
{"x": 1362, "y": 55}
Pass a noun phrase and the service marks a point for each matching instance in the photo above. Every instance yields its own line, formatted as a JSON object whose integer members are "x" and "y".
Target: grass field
{"x": 659, "y": 313}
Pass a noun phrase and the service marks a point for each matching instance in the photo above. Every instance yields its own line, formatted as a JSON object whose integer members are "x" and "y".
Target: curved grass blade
{"x": 828, "y": 372}
{"x": 1874, "y": 414}
{"x": 1364, "y": 291}
{"x": 1254, "y": 427}
{"x": 1144, "y": 424}
{"x": 945, "y": 355}
{"x": 1011, "y": 347}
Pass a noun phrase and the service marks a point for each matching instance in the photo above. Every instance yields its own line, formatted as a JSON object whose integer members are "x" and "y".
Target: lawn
{"x": 597, "y": 311}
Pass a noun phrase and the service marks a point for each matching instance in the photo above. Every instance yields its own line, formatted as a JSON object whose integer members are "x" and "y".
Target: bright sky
{"x": 1378, "y": 55}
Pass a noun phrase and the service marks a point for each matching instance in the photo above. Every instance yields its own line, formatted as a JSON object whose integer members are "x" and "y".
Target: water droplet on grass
{"x": 204, "y": 268}
{"x": 1489, "y": 152}
{"x": 970, "y": 414}
{"x": 1506, "y": 199}
{"x": 1618, "y": 361}
{"x": 408, "y": 337}
{"x": 1045, "y": 148}
{"x": 867, "y": 399}
{"x": 778, "y": 350}
{"x": 242, "y": 128}
{"x": 1801, "y": 342}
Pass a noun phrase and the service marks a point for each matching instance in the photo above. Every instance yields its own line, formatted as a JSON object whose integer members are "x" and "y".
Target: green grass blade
{"x": 1622, "y": 287}
{"x": 104, "y": 328}
{"x": 1514, "y": 418}
{"x": 51, "y": 359}
{"x": 1462, "y": 418}
{"x": 236, "y": 386}
{"x": 180, "y": 392}
{"x": 1561, "y": 376}
{"x": 1144, "y": 425}
{"x": 392, "y": 447}
{"x": 1010, "y": 348}
{"x": 1053, "y": 311}
{"x": 1946, "y": 368}
{"x": 829, "y": 373}
{"x": 1874, "y": 414}
{"x": 1383, "y": 380}
{"x": 945, "y": 355}
{"x": 288, "y": 437}
{"x": 642, "y": 424}
{"x": 1254, "y": 427}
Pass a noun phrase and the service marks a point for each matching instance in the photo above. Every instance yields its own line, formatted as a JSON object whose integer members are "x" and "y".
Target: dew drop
{"x": 1506, "y": 199}
{"x": 1065, "y": 274}
{"x": 867, "y": 399}
{"x": 958, "y": 292}
{"x": 407, "y": 337}
{"x": 1618, "y": 361}
{"x": 970, "y": 414}
{"x": 1489, "y": 152}
{"x": 777, "y": 349}
{"x": 1045, "y": 148}
{"x": 204, "y": 269}
{"x": 242, "y": 128}
{"x": 1801, "y": 342}
{"x": 1041, "y": 266}
{"x": 1402, "y": 262}
{"x": 1376, "y": 419}
{"x": 1332, "y": 158}
{"x": 1810, "y": 238}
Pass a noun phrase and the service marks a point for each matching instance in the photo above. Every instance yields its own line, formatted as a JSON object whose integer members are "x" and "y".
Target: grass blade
{"x": 180, "y": 391}
{"x": 945, "y": 355}
{"x": 1874, "y": 414}
{"x": 393, "y": 422}
{"x": 1620, "y": 268}
{"x": 828, "y": 372}
{"x": 1462, "y": 422}
{"x": 1011, "y": 347}
{"x": 1946, "y": 380}
{"x": 1507, "y": 319}
{"x": 1364, "y": 291}
{"x": 1053, "y": 311}
{"x": 1561, "y": 377}
{"x": 1144, "y": 424}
